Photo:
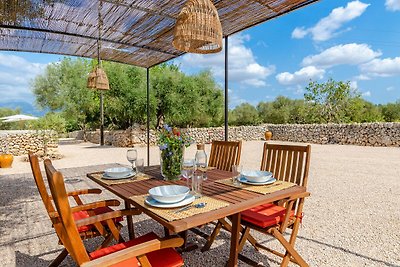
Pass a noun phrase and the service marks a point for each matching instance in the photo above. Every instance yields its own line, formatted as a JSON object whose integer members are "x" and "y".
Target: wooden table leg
{"x": 129, "y": 218}
{"x": 235, "y": 234}
{"x": 166, "y": 232}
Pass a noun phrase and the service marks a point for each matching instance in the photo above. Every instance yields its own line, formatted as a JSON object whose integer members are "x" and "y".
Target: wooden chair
{"x": 224, "y": 154}
{"x": 79, "y": 212}
{"x": 147, "y": 250}
{"x": 288, "y": 163}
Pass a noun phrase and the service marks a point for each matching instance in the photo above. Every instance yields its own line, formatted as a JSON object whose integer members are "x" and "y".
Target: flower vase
{"x": 171, "y": 160}
{"x": 268, "y": 135}
{"x": 6, "y": 160}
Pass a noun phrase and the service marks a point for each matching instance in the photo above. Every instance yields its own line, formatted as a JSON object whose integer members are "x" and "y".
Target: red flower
{"x": 176, "y": 132}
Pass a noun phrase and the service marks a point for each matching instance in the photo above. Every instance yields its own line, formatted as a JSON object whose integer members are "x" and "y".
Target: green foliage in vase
{"x": 172, "y": 145}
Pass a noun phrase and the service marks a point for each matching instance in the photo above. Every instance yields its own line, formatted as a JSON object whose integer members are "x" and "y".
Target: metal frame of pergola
{"x": 135, "y": 32}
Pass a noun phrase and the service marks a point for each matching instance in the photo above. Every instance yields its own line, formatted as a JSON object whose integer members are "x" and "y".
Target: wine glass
{"x": 188, "y": 168}
{"x": 131, "y": 156}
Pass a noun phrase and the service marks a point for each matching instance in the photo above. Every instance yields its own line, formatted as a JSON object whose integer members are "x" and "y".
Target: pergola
{"x": 136, "y": 32}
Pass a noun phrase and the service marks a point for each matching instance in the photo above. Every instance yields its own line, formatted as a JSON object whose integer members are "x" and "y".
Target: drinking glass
{"x": 131, "y": 156}
{"x": 188, "y": 168}
{"x": 201, "y": 160}
{"x": 139, "y": 165}
{"x": 197, "y": 184}
{"x": 236, "y": 170}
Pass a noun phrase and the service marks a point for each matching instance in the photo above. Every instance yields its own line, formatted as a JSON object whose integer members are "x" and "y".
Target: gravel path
{"x": 351, "y": 219}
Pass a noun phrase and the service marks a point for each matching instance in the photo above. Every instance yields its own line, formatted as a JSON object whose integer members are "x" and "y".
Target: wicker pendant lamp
{"x": 97, "y": 78}
{"x": 198, "y": 28}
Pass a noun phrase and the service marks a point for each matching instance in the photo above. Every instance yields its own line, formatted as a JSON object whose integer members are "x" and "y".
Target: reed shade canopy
{"x": 135, "y": 32}
{"x": 198, "y": 29}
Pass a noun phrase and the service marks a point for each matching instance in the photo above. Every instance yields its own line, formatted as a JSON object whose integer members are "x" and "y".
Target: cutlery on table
{"x": 198, "y": 206}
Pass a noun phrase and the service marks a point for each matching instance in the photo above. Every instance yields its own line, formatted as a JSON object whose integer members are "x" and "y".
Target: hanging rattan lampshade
{"x": 97, "y": 79}
{"x": 198, "y": 29}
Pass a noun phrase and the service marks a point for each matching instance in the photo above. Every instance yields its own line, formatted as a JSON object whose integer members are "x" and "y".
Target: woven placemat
{"x": 263, "y": 189}
{"x": 137, "y": 177}
{"x": 172, "y": 215}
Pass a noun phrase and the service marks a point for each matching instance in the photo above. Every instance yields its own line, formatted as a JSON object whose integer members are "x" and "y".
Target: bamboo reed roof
{"x": 136, "y": 32}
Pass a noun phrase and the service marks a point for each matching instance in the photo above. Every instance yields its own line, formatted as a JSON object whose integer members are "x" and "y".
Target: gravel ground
{"x": 351, "y": 219}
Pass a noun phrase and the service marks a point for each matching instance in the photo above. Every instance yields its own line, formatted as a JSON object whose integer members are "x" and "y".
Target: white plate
{"x": 257, "y": 176}
{"x": 129, "y": 175}
{"x": 154, "y": 203}
{"x": 117, "y": 171}
{"x": 245, "y": 181}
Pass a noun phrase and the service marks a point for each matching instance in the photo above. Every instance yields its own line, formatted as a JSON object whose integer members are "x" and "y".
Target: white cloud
{"x": 21, "y": 64}
{"x": 301, "y": 76}
{"x": 382, "y": 67}
{"x": 392, "y": 5}
{"x": 354, "y": 85}
{"x": 352, "y": 54}
{"x": 243, "y": 66}
{"x": 390, "y": 88}
{"x": 299, "y": 33}
{"x": 16, "y": 73}
{"x": 366, "y": 94}
{"x": 327, "y": 27}
{"x": 362, "y": 77}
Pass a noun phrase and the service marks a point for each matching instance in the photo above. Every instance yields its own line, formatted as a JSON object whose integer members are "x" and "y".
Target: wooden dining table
{"x": 239, "y": 200}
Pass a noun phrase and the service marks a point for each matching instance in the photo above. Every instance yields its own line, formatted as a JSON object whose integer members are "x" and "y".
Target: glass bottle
{"x": 201, "y": 160}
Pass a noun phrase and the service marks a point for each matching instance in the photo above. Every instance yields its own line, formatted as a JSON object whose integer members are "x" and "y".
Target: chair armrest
{"x": 97, "y": 204}
{"x": 106, "y": 216}
{"x": 300, "y": 195}
{"x": 84, "y": 192}
{"x": 135, "y": 251}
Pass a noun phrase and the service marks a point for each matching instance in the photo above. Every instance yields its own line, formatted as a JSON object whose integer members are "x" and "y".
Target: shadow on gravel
{"x": 16, "y": 188}
{"x": 98, "y": 147}
{"x": 349, "y": 251}
{"x": 26, "y": 260}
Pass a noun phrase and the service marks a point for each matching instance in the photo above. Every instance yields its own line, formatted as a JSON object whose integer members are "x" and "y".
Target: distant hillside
{"x": 26, "y": 107}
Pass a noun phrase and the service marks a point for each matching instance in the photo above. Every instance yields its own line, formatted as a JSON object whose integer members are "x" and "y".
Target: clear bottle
{"x": 201, "y": 160}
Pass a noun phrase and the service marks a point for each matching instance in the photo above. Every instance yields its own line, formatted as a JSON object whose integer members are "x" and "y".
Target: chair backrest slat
{"x": 288, "y": 166}
{"x": 37, "y": 175}
{"x": 224, "y": 154}
{"x": 294, "y": 166}
{"x": 300, "y": 169}
{"x": 68, "y": 233}
{"x": 287, "y": 162}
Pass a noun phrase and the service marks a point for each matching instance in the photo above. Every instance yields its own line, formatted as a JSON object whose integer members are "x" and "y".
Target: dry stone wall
{"x": 19, "y": 143}
{"x": 363, "y": 134}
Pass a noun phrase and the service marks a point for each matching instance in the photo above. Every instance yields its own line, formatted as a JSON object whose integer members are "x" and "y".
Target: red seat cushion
{"x": 167, "y": 257}
{"x": 84, "y": 214}
{"x": 265, "y": 215}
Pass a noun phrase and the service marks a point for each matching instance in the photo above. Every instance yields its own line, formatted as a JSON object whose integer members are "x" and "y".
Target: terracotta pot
{"x": 268, "y": 135}
{"x": 6, "y": 160}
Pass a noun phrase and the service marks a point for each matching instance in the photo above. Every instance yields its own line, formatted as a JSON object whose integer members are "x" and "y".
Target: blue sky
{"x": 356, "y": 41}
